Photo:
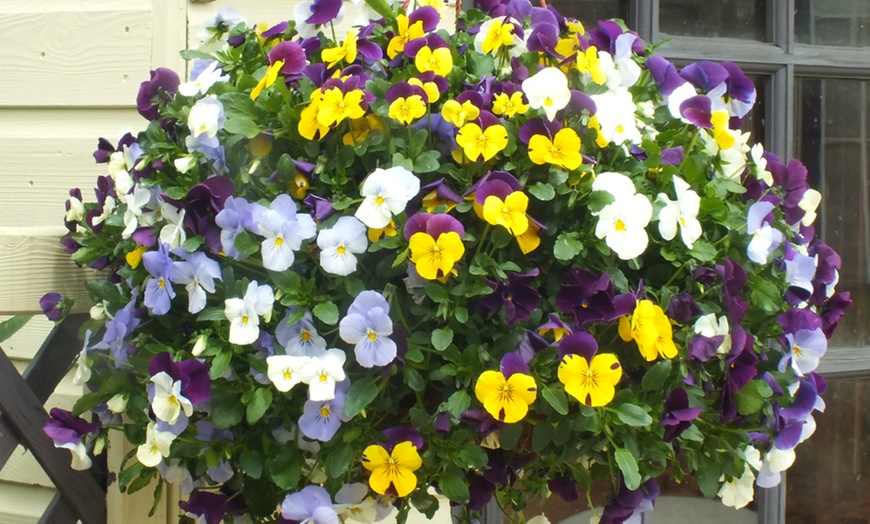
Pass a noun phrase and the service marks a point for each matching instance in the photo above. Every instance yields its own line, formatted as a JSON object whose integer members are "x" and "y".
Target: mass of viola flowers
{"x": 342, "y": 273}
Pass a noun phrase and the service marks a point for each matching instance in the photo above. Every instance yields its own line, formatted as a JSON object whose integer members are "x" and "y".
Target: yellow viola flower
{"x": 361, "y": 128}
{"x": 299, "y": 187}
{"x": 500, "y": 34}
{"x": 335, "y": 106}
{"x": 260, "y": 145}
{"x": 588, "y": 62}
{"x": 406, "y": 110}
{"x": 563, "y": 151}
{"x": 346, "y": 51}
{"x": 509, "y": 106}
{"x": 592, "y": 383}
{"x": 405, "y": 33}
{"x": 485, "y": 143}
{"x": 643, "y": 327}
{"x": 509, "y": 213}
{"x": 134, "y": 258}
{"x": 267, "y": 80}
{"x": 575, "y": 27}
{"x": 506, "y": 399}
{"x": 376, "y": 234}
{"x": 600, "y": 139}
{"x": 459, "y": 114}
{"x": 438, "y": 5}
{"x": 432, "y": 255}
{"x": 530, "y": 240}
{"x": 439, "y": 61}
{"x": 721, "y": 133}
{"x": 431, "y": 89}
{"x": 309, "y": 124}
{"x": 392, "y": 469}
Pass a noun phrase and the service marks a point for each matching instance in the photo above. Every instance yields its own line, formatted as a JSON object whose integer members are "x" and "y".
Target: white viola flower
{"x": 322, "y": 372}
{"x": 208, "y": 77}
{"x": 168, "y": 402}
{"x": 364, "y": 13}
{"x": 733, "y": 159}
{"x": 83, "y": 367}
{"x": 206, "y": 117}
{"x": 806, "y": 348}
{"x": 118, "y": 403}
{"x": 547, "y": 90}
{"x": 197, "y": 272}
{"x": 775, "y": 462}
{"x": 244, "y": 313}
{"x": 81, "y": 460}
{"x": 676, "y": 99}
{"x": 173, "y": 232}
{"x": 301, "y": 338}
{"x": 622, "y": 223}
{"x": 761, "y": 172}
{"x": 615, "y": 113}
{"x": 765, "y": 239}
{"x": 284, "y": 371}
{"x": 76, "y": 211}
{"x": 738, "y": 492}
{"x": 353, "y": 504}
{"x": 135, "y": 215}
{"x": 810, "y": 203}
{"x": 303, "y": 12}
{"x": 623, "y": 60}
{"x": 156, "y": 446}
{"x": 284, "y": 229}
{"x": 386, "y": 192}
{"x": 708, "y": 326}
{"x": 184, "y": 163}
{"x": 108, "y": 209}
{"x": 681, "y": 214}
{"x": 340, "y": 244}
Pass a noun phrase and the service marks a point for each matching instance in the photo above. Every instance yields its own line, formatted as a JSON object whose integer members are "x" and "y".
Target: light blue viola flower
{"x": 237, "y": 215}
{"x": 368, "y": 326}
{"x": 765, "y": 239}
{"x": 158, "y": 289}
{"x": 197, "y": 272}
{"x": 284, "y": 229}
{"x": 300, "y": 339}
{"x": 320, "y": 420}
{"x": 313, "y": 504}
{"x": 806, "y": 348}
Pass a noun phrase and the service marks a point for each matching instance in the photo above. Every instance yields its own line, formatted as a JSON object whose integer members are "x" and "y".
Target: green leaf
{"x": 556, "y": 399}
{"x": 751, "y": 397}
{"x": 382, "y": 8}
{"x": 339, "y": 460}
{"x": 361, "y": 394}
{"x": 628, "y": 466}
{"x": 708, "y": 478}
{"x": 656, "y": 376}
{"x": 427, "y": 162}
{"x": 211, "y": 314}
{"x": 543, "y": 191}
{"x": 413, "y": 378}
{"x": 220, "y": 363}
{"x": 458, "y": 403}
{"x": 442, "y": 338}
{"x": 633, "y": 415}
{"x": 251, "y": 462}
{"x": 242, "y": 125}
{"x": 567, "y": 246}
{"x": 12, "y": 325}
{"x": 246, "y": 243}
{"x": 192, "y": 244}
{"x": 460, "y": 314}
{"x": 472, "y": 456}
{"x": 326, "y": 312}
{"x": 541, "y": 436}
{"x": 104, "y": 290}
{"x": 257, "y": 406}
{"x": 285, "y": 469}
{"x": 453, "y": 486}
{"x": 227, "y": 410}
{"x": 437, "y": 292}
{"x": 599, "y": 199}
{"x": 703, "y": 251}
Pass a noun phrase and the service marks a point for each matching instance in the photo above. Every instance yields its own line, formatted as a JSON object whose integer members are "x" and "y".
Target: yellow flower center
{"x": 288, "y": 374}
{"x": 161, "y": 283}
{"x": 323, "y": 377}
{"x": 620, "y": 226}
{"x": 797, "y": 351}
{"x": 379, "y": 200}
{"x": 173, "y": 400}
{"x": 245, "y": 319}
{"x": 341, "y": 250}
{"x": 324, "y": 411}
{"x": 305, "y": 335}
{"x": 372, "y": 336}
{"x": 279, "y": 241}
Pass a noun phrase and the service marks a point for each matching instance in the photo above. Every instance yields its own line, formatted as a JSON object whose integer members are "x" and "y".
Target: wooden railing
{"x": 81, "y": 495}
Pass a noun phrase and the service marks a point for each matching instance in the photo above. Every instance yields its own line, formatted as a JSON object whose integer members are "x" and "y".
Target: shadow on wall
{"x": 684, "y": 510}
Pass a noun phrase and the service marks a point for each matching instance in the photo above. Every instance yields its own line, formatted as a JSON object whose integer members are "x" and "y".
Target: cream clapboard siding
{"x": 69, "y": 74}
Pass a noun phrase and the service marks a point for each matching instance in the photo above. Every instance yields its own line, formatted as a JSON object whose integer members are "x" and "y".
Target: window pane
{"x": 831, "y": 138}
{"x": 828, "y": 482}
{"x": 591, "y": 11}
{"x": 832, "y": 22}
{"x": 725, "y": 18}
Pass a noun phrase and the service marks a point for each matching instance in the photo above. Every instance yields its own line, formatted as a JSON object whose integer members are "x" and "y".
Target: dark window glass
{"x": 828, "y": 483}
{"x": 831, "y": 138}
{"x": 591, "y": 11}
{"x": 725, "y": 18}
{"x": 832, "y": 22}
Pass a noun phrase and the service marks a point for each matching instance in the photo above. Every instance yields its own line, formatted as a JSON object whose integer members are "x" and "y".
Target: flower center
{"x": 305, "y": 335}
{"x": 379, "y": 201}
{"x": 279, "y": 241}
{"x": 797, "y": 351}
{"x": 324, "y": 411}
{"x": 371, "y": 335}
{"x": 288, "y": 374}
{"x": 245, "y": 319}
{"x": 620, "y": 226}
{"x": 324, "y": 377}
{"x": 341, "y": 250}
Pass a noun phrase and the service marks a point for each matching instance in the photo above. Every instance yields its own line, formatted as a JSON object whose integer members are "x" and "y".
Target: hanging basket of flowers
{"x": 341, "y": 274}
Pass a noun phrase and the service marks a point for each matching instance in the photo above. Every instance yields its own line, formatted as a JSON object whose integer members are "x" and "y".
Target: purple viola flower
{"x": 739, "y": 370}
{"x": 697, "y": 110}
{"x": 156, "y": 92}
{"x": 320, "y": 208}
{"x": 530, "y": 344}
{"x": 765, "y": 239}
{"x": 311, "y": 505}
{"x": 399, "y": 434}
{"x": 544, "y": 38}
{"x": 672, "y": 156}
{"x": 118, "y": 328}
{"x": 237, "y": 215}
{"x": 827, "y": 272}
{"x": 563, "y": 486}
{"x": 683, "y": 309}
{"x": 734, "y": 277}
{"x": 805, "y": 348}
{"x": 211, "y": 149}
{"x": 205, "y": 507}
{"x": 512, "y": 363}
{"x": 52, "y": 305}
{"x": 605, "y": 37}
{"x": 158, "y": 288}
{"x": 740, "y": 89}
{"x": 433, "y": 225}
{"x": 202, "y": 204}
{"x": 320, "y": 420}
{"x": 442, "y": 422}
{"x": 69, "y": 432}
{"x": 705, "y": 75}
{"x": 368, "y": 326}
{"x": 483, "y": 422}
{"x": 193, "y": 375}
{"x": 702, "y": 349}
{"x": 678, "y": 414}
{"x": 591, "y": 299}
{"x": 439, "y": 193}
{"x": 579, "y": 343}
{"x": 628, "y": 503}
{"x": 323, "y": 11}
{"x": 834, "y": 310}
{"x": 800, "y": 270}
{"x": 516, "y": 296}
{"x": 293, "y": 56}
{"x": 665, "y": 74}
